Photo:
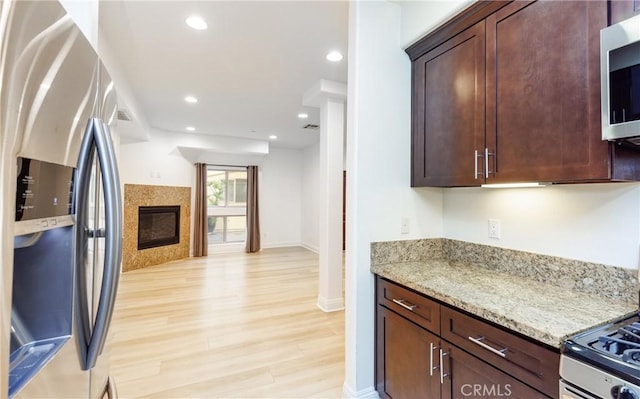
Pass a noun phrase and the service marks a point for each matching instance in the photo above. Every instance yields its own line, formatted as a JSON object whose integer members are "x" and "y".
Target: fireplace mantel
{"x": 136, "y": 196}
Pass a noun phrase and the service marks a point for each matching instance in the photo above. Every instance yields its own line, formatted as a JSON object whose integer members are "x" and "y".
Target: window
{"x": 227, "y": 204}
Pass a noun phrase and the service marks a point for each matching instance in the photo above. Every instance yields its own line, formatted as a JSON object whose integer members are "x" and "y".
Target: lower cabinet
{"x": 406, "y": 353}
{"x": 415, "y": 359}
{"x": 468, "y": 377}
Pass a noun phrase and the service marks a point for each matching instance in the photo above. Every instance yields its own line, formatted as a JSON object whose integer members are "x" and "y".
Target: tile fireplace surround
{"x": 136, "y": 196}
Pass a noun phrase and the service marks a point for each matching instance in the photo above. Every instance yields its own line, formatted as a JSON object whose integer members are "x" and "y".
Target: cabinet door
{"x": 406, "y": 356}
{"x": 543, "y": 92}
{"x": 466, "y": 376}
{"x": 623, "y": 9}
{"x": 448, "y": 111}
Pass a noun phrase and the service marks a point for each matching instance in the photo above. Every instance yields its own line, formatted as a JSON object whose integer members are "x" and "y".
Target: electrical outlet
{"x": 494, "y": 228}
{"x": 404, "y": 226}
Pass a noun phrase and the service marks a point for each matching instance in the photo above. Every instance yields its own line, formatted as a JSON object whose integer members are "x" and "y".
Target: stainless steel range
{"x": 603, "y": 363}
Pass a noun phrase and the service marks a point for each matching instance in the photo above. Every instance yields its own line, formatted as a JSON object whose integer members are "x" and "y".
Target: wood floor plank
{"x": 231, "y": 325}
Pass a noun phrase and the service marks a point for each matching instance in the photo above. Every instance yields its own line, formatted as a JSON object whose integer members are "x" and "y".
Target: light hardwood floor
{"x": 231, "y": 325}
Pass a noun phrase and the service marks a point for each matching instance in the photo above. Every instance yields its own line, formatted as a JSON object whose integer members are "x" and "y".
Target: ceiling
{"x": 249, "y": 69}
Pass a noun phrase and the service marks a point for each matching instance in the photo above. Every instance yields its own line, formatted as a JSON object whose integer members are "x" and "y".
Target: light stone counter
{"x": 540, "y": 310}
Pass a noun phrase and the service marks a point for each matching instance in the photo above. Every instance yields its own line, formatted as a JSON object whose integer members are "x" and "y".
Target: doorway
{"x": 226, "y": 204}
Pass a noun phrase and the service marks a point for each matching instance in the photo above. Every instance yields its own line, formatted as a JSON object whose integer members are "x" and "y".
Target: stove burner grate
{"x": 613, "y": 348}
{"x": 617, "y": 345}
{"x": 623, "y": 343}
{"x": 631, "y": 356}
{"x": 631, "y": 332}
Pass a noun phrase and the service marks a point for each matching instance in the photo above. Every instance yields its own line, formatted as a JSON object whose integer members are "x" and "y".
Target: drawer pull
{"x": 431, "y": 368}
{"x": 478, "y": 341}
{"x": 405, "y": 304}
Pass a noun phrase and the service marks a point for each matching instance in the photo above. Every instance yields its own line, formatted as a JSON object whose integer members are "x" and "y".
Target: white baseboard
{"x": 268, "y": 245}
{"x": 311, "y": 248}
{"x": 367, "y": 393}
{"x": 330, "y": 305}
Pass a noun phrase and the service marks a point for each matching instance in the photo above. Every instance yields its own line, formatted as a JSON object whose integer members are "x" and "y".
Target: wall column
{"x": 330, "y": 98}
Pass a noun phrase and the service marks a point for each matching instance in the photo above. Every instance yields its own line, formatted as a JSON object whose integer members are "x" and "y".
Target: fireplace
{"x": 158, "y": 226}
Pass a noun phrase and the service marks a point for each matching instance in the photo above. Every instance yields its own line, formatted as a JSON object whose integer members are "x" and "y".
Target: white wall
{"x": 310, "y": 203}
{"x": 167, "y": 158}
{"x": 421, "y": 17}
{"x": 280, "y": 198}
{"x": 589, "y": 222}
{"x": 85, "y": 14}
{"x": 378, "y": 163}
{"x": 155, "y": 162}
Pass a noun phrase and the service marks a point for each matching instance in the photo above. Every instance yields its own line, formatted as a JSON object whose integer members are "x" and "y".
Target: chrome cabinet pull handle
{"x": 475, "y": 164}
{"x": 486, "y": 163}
{"x": 405, "y": 304}
{"x": 442, "y": 374}
{"x": 478, "y": 341}
{"x": 431, "y": 368}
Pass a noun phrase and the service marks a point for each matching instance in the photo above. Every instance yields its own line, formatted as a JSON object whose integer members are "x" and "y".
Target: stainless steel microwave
{"x": 620, "y": 77}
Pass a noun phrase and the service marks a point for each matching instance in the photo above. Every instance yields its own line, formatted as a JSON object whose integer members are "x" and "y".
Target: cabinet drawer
{"x": 525, "y": 360}
{"x": 409, "y": 304}
{"x": 468, "y": 377}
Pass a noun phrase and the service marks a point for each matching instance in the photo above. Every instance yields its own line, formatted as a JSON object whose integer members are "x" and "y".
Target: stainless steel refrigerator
{"x": 61, "y": 236}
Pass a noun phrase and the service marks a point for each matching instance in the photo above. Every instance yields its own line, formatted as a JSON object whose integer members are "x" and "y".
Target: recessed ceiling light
{"x": 191, "y": 99}
{"x": 334, "y": 56}
{"x": 196, "y": 22}
{"x": 191, "y": 128}
{"x": 302, "y": 115}
{"x": 273, "y": 137}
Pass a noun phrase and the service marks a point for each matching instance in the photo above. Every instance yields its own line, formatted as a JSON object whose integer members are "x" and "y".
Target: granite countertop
{"x": 544, "y": 312}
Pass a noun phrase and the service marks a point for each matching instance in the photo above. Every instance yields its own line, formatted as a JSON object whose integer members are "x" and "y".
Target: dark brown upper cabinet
{"x": 510, "y": 92}
{"x": 623, "y": 9}
{"x": 448, "y": 113}
{"x": 543, "y": 113}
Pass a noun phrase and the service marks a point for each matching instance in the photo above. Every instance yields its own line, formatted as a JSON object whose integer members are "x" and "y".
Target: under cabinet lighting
{"x": 516, "y": 185}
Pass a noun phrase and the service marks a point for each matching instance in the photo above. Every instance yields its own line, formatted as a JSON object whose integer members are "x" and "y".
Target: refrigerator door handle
{"x": 83, "y": 179}
{"x": 113, "y": 242}
{"x": 96, "y": 137}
